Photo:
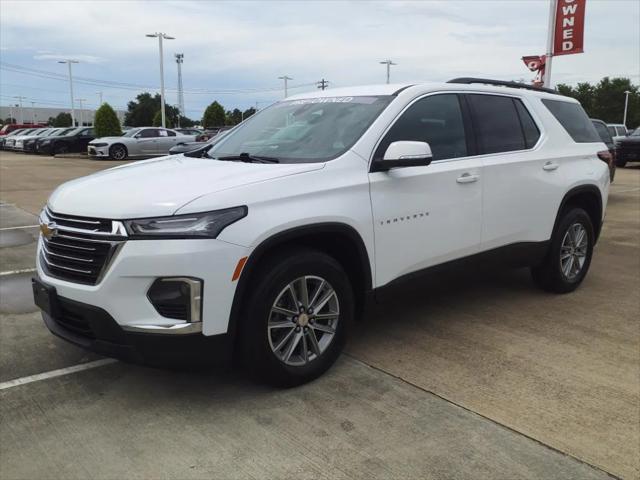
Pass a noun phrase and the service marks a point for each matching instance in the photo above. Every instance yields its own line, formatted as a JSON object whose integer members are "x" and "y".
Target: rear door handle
{"x": 467, "y": 178}
{"x": 550, "y": 166}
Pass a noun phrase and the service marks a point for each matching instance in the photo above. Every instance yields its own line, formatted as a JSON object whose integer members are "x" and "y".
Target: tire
{"x": 272, "y": 351}
{"x": 552, "y": 274}
{"x": 118, "y": 152}
{"x": 621, "y": 163}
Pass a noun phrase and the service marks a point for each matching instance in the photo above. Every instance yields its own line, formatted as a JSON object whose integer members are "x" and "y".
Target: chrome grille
{"x": 80, "y": 248}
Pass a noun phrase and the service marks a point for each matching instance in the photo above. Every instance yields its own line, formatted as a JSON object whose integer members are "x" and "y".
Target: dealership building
{"x": 28, "y": 114}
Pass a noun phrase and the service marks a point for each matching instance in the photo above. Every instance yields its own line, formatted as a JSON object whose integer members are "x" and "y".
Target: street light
{"x": 286, "y": 79}
{"x": 73, "y": 111}
{"x": 388, "y": 63}
{"x": 160, "y": 37}
{"x": 21, "y": 111}
{"x": 80, "y": 100}
{"x": 626, "y": 105}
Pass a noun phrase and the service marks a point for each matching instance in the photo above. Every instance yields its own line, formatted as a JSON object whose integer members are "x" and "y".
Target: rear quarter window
{"x": 574, "y": 120}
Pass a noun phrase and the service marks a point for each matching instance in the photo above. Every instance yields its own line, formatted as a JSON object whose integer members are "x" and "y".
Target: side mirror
{"x": 404, "y": 154}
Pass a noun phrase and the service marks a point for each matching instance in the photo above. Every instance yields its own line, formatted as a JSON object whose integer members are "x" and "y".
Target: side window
{"x": 436, "y": 119}
{"x": 170, "y": 133}
{"x": 496, "y": 123}
{"x": 574, "y": 120}
{"x": 529, "y": 127}
{"x": 612, "y": 131}
{"x": 88, "y": 131}
{"x": 621, "y": 131}
{"x": 149, "y": 133}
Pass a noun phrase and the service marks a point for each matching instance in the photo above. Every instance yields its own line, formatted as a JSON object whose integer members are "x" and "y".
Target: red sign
{"x": 534, "y": 62}
{"x": 569, "y": 32}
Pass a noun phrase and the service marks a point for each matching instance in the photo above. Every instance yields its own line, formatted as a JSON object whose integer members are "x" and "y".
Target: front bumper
{"x": 124, "y": 284}
{"x": 92, "y": 328}
{"x": 102, "y": 152}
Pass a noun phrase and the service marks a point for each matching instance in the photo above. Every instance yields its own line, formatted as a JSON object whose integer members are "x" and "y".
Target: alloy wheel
{"x": 573, "y": 251}
{"x": 303, "y": 320}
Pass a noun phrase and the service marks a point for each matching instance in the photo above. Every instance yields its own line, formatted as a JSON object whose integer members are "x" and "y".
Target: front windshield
{"x": 302, "y": 131}
{"x": 42, "y": 132}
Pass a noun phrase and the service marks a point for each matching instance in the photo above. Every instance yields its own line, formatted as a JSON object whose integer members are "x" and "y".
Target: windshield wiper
{"x": 245, "y": 157}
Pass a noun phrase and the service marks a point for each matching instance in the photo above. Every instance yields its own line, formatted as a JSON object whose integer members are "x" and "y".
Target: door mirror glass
{"x": 404, "y": 153}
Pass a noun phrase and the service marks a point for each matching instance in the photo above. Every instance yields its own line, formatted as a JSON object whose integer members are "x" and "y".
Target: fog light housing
{"x": 179, "y": 298}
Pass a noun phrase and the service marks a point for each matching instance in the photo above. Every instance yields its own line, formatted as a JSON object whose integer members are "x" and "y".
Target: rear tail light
{"x": 606, "y": 157}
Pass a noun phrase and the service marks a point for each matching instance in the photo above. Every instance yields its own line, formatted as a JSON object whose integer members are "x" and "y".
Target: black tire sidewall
{"x": 571, "y": 217}
{"x": 115, "y": 147}
{"x": 271, "y": 279}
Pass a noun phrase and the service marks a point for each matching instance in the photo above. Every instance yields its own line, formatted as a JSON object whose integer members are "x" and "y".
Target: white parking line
{"x": 55, "y": 373}
{"x": 13, "y": 272}
{"x": 18, "y": 228}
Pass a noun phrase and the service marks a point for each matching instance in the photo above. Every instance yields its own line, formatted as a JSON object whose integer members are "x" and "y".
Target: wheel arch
{"x": 339, "y": 240}
{"x": 587, "y": 197}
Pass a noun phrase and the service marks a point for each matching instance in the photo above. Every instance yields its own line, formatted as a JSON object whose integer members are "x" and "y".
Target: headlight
{"x": 195, "y": 225}
{"x": 98, "y": 144}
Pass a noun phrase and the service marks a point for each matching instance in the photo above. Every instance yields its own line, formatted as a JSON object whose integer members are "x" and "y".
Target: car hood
{"x": 629, "y": 141}
{"x": 109, "y": 139}
{"x": 161, "y": 186}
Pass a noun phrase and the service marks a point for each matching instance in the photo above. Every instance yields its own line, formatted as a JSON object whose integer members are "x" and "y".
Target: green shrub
{"x": 106, "y": 123}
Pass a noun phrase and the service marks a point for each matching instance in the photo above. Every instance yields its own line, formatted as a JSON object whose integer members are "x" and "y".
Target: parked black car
{"x": 29, "y": 145}
{"x": 628, "y": 149}
{"x": 605, "y": 136}
{"x": 74, "y": 141}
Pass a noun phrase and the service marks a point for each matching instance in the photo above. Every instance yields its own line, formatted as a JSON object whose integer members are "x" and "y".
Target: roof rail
{"x": 502, "y": 83}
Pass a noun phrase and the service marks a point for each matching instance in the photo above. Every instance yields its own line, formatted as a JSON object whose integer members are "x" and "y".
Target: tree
{"x": 63, "y": 119}
{"x": 186, "y": 122}
{"x": 214, "y": 116}
{"x": 157, "y": 119}
{"x": 9, "y": 120}
{"x": 605, "y": 100}
{"x": 140, "y": 112}
{"x": 249, "y": 112}
{"x": 106, "y": 122}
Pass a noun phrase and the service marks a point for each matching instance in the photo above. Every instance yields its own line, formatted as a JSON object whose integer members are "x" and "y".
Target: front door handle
{"x": 467, "y": 178}
{"x": 550, "y": 166}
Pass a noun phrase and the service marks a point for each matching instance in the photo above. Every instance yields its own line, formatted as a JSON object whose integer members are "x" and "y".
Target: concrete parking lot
{"x": 471, "y": 375}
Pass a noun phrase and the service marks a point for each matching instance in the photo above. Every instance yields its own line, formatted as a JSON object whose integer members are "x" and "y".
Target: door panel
{"x": 424, "y": 216}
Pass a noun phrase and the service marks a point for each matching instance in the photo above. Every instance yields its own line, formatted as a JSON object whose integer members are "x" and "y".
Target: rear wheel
{"x": 295, "y": 322}
{"x": 118, "y": 152}
{"x": 569, "y": 256}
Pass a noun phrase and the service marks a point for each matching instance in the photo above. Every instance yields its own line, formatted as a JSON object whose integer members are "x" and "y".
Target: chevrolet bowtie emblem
{"x": 49, "y": 229}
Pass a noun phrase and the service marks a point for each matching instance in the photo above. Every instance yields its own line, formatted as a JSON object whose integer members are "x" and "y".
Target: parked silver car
{"x": 137, "y": 142}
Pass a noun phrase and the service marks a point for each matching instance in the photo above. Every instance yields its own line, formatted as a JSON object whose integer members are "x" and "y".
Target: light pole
{"x": 100, "y": 97}
{"x": 21, "y": 111}
{"x": 11, "y": 119}
{"x": 80, "y": 100}
{"x": 179, "y": 61}
{"x": 286, "y": 79}
{"x": 33, "y": 113}
{"x": 388, "y": 63}
{"x": 161, "y": 36}
{"x": 73, "y": 111}
{"x": 626, "y": 105}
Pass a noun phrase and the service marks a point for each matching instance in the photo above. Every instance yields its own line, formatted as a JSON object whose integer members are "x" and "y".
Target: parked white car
{"x": 269, "y": 242}
{"x": 617, "y": 131}
{"x": 137, "y": 142}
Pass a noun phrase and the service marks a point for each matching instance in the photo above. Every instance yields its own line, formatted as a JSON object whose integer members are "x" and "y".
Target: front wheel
{"x": 295, "y": 322}
{"x": 118, "y": 152}
{"x": 569, "y": 256}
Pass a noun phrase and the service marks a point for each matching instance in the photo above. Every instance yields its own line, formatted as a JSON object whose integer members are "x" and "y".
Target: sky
{"x": 234, "y": 52}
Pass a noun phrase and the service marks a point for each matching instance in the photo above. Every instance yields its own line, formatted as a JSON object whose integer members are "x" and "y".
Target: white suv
{"x": 269, "y": 242}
